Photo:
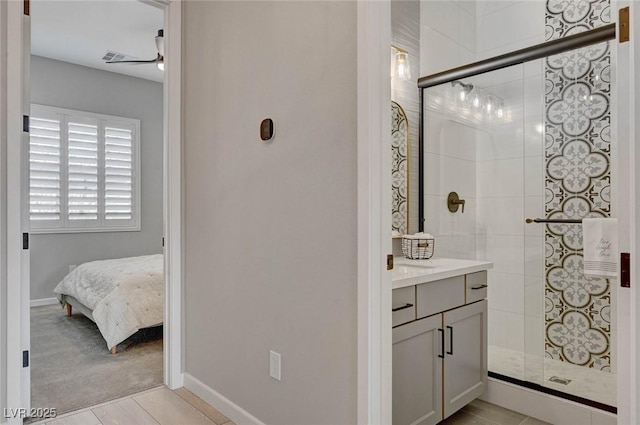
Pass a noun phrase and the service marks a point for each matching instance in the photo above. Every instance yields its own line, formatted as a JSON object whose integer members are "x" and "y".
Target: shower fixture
{"x": 466, "y": 87}
{"x": 479, "y": 99}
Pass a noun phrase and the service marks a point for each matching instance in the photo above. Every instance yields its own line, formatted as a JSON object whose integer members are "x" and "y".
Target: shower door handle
{"x": 450, "y": 351}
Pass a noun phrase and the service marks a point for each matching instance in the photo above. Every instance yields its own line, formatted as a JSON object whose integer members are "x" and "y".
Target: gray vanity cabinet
{"x": 465, "y": 363}
{"x": 440, "y": 361}
{"x": 417, "y": 372}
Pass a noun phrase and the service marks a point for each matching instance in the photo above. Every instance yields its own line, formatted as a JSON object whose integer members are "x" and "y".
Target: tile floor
{"x": 480, "y": 412}
{"x": 158, "y": 406}
{"x": 161, "y": 406}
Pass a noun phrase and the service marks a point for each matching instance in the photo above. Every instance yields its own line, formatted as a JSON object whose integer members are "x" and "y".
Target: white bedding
{"x": 125, "y": 294}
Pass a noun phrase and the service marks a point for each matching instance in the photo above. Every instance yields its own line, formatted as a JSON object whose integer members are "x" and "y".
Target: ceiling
{"x": 82, "y": 32}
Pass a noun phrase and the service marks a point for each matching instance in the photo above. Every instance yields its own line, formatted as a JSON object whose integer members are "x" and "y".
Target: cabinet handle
{"x": 402, "y": 307}
{"x": 474, "y": 288}
{"x": 441, "y": 355}
{"x": 450, "y": 340}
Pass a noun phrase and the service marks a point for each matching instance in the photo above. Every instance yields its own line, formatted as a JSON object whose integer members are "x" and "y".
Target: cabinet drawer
{"x": 438, "y": 296}
{"x": 476, "y": 286}
{"x": 403, "y": 305}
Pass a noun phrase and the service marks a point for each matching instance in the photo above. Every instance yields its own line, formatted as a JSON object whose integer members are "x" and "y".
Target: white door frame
{"x": 629, "y": 319}
{"x": 625, "y": 109}
{"x": 17, "y": 265}
{"x": 374, "y": 212}
{"x": 172, "y": 199}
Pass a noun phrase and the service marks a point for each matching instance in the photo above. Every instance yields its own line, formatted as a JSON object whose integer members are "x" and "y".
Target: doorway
{"x": 95, "y": 202}
{"x": 168, "y": 229}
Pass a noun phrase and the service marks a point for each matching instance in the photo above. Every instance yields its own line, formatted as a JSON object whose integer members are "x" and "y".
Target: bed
{"x": 121, "y": 296}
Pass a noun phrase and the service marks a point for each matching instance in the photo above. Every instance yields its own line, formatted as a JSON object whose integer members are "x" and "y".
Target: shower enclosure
{"x": 524, "y": 138}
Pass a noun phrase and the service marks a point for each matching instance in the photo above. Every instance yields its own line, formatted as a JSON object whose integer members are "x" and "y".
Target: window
{"x": 84, "y": 171}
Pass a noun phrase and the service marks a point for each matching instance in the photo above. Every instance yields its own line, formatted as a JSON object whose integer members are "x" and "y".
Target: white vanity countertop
{"x": 408, "y": 272}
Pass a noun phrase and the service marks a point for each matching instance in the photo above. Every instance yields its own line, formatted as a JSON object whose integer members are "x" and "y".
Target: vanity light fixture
{"x": 476, "y": 101}
{"x": 160, "y": 63}
{"x": 401, "y": 67}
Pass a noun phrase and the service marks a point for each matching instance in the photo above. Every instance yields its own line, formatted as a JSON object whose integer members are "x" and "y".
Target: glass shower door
{"x": 530, "y": 141}
{"x": 576, "y": 165}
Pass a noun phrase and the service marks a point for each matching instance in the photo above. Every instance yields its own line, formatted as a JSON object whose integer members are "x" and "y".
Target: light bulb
{"x": 463, "y": 95}
{"x": 500, "y": 110}
{"x": 160, "y": 64}
{"x": 476, "y": 101}
{"x": 402, "y": 71}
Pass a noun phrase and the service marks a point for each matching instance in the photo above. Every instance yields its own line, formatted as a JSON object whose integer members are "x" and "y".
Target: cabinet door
{"x": 465, "y": 364}
{"x": 417, "y": 372}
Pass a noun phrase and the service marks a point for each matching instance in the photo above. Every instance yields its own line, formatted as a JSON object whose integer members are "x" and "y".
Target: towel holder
{"x": 553, "y": 220}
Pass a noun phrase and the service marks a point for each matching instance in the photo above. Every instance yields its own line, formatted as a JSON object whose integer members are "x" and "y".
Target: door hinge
{"x": 25, "y": 123}
{"x": 25, "y": 358}
{"x": 625, "y": 270}
{"x": 623, "y": 24}
{"x": 27, "y": 10}
{"x": 25, "y": 241}
{"x": 390, "y": 262}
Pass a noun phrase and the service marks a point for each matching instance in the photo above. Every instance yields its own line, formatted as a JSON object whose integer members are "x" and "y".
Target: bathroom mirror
{"x": 399, "y": 169}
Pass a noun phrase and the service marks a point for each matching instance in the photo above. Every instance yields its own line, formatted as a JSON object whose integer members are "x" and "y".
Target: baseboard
{"x": 228, "y": 408}
{"x": 44, "y": 301}
{"x": 544, "y": 407}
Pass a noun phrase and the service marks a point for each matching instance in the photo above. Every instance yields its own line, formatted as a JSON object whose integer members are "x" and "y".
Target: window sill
{"x": 84, "y": 230}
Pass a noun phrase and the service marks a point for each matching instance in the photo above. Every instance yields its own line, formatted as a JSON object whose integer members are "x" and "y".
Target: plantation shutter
{"x": 118, "y": 172}
{"x": 83, "y": 170}
{"x": 45, "y": 197}
{"x": 84, "y": 173}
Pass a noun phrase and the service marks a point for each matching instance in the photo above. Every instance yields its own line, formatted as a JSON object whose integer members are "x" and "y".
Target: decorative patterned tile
{"x": 577, "y": 184}
{"x": 399, "y": 137}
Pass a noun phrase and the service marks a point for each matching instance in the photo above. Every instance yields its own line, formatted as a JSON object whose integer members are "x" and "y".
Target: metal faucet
{"x": 454, "y": 202}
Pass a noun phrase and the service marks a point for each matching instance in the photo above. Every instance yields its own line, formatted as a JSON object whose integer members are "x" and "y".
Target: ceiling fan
{"x": 159, "y": 60}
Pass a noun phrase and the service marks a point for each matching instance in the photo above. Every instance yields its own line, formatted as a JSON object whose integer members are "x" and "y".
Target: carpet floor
{"x": 71, "y": 367}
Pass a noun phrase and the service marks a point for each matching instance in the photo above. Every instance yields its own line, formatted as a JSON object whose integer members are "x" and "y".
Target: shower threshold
{"x": 554, "y": 392}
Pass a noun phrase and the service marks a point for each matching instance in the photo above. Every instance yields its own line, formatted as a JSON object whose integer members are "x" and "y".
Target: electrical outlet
{"x": 71, "y": 267}
{"x": 274, "y": 365}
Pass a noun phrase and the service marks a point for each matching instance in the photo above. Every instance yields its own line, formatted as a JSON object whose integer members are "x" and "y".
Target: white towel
{"x": 600, "y": 245}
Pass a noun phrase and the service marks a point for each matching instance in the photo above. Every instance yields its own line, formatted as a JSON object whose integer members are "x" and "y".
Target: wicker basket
{"x": 417, "y": 248}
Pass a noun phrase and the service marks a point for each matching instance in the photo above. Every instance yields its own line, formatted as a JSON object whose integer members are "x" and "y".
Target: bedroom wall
{"x": 66, "y": 85}
{"x": 270, "y": 228}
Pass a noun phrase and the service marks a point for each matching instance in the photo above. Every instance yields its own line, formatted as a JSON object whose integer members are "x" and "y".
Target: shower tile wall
{"x": 447, "y": 40}
{"x": 577, "y": 183}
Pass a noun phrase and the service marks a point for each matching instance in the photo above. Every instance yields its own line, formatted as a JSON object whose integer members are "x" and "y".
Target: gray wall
{"x": 65, "y": 85}
{"x": 270, "y": 232}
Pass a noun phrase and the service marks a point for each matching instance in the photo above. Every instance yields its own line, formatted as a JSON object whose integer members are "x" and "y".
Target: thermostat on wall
{"x": 266, "y": 129}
